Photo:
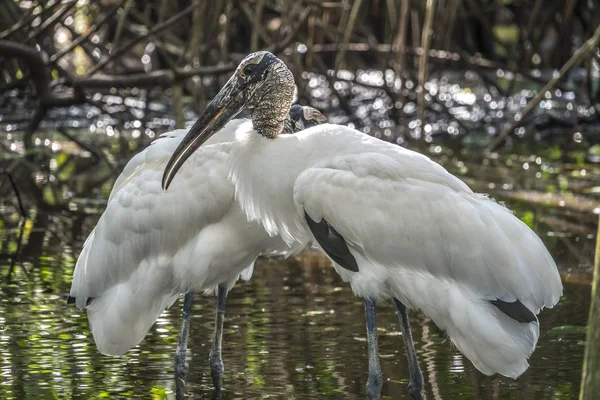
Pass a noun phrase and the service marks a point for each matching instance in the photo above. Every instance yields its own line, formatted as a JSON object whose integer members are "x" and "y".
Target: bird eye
{"x": 249, "y": 69}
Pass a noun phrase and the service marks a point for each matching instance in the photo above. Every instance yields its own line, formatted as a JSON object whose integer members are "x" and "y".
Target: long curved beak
{"x": 223, "y": 108}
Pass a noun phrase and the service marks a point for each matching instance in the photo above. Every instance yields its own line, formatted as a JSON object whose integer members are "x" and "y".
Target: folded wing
{"x": 429, "y": 240}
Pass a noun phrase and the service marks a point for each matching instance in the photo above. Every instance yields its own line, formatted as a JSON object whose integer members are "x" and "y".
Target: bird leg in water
{"x": 216, "y": 363}
{"x": 375, "y": 380}
{"x": 181, "y": 365}
{"x": 415, "y": 382}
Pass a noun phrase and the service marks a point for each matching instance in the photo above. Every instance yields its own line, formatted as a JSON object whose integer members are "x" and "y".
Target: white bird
{"x": 395, "y": 224}
{"x": 149, "y": 246}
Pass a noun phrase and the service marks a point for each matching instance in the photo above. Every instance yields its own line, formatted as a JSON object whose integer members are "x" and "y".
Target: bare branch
{"x": 582, "y": 53}
{"x": 130, "y": 44}
{"x": 81, "y": 39}
{"x": 162, "y": 77}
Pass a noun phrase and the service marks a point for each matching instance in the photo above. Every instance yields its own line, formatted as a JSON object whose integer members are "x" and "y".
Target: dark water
{"x": 294, "y": 331}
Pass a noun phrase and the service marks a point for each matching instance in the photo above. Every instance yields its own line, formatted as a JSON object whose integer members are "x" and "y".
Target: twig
{"x": 81, "y": 39}
{"x": 84, "y": 146}
{"x": 276, "y": 48}
{"x": 257, "y": 25}
{"x": 331, "y": 78}
{"x": 391, "y": 8}
{"x": 17, "y": 194}
{"x": 40, "y": 75}
{"x": 584, "y": 51}
{"x": 451, "y": 20}
{"x": 87, "y": 49}
{"x": 426, "y": 40}
{"x": 27, "y": 19}
{"x": 171, "y": 21}
{"x": 400, "y": 40}
{"x": 251, "y": 17}
{"x": 414, "y": 23}
{"x": 349, "y": 28}
{"x": 162, "y": 10}
{"x": 52, "y": 20}
{"x": 224, "y": 33}
{"x": 121, "y": 23}
{"x": 195, "y": 55}
{"x": 17, "y": 255}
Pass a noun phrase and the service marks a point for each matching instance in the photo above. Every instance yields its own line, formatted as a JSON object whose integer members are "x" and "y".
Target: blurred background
{"x": 503, "y": 93}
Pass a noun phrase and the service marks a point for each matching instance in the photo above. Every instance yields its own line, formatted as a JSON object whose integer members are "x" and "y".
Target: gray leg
{"x": 415, "y": 382}
{"x": 216, "y": 363}
{"x": 181, "y": 366}
{"x": 375, "y": 380}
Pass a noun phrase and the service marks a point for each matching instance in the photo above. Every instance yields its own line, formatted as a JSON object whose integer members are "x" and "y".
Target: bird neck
{"x": 265, "y": 124}
{"x": 273, "y": 107}
{"x": 263, "y": 171}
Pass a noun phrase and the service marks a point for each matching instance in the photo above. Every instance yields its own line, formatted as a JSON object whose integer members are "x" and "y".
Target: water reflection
{"x": 294, "y": 331}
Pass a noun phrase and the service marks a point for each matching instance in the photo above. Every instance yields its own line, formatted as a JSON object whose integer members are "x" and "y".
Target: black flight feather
{"x": 516, "y": 310}
{"x": 332, "y": 243}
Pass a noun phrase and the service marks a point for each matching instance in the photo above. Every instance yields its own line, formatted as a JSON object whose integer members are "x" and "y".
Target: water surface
{"x": 294, "y": 331}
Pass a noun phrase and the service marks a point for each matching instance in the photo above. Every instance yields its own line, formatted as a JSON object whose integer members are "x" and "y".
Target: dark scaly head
{"x": 261, "y": 83}
{"x": 302, "y": 117}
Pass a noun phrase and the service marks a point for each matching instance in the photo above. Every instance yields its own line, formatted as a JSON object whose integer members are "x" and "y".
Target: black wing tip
{"x": 516, "y": 310}
{"x": 332, "y": 243}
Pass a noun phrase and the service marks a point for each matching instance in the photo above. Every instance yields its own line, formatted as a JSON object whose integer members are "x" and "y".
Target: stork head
{"x": 261, "y": 83}
{"x": 303, "y": 117}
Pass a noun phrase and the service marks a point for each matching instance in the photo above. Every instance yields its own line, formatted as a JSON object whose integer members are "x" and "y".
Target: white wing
{"x": 163, "y": 147}
{"x": 127, "y": 264}
{"x": 422, "y": 236}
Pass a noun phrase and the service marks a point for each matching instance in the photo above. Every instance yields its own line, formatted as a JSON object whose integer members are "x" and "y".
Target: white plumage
{"x": 417, "y": 233}
{"x": 395, "y": 224}
{"x": 150, "y": 246}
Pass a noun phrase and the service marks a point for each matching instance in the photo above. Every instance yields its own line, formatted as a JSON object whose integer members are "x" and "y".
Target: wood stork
{"x": 149, "y": 246}
{"x": 395, "y": 224}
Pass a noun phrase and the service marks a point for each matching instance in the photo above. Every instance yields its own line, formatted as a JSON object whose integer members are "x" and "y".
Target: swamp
{"x": 505, "y": 94}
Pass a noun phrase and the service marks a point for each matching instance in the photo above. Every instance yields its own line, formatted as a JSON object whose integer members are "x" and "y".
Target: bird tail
{"x": 121, "y": 308}
{"x": 120, "y": 318}
{"x": 491, "y": 339}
